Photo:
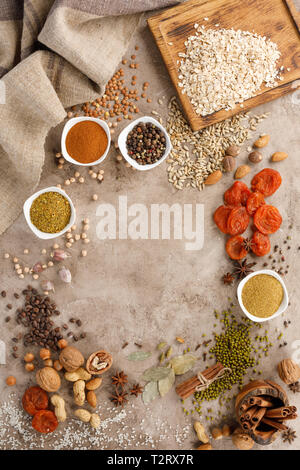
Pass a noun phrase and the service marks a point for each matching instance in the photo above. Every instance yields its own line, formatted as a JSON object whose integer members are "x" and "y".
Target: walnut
{"x": 288, "y": 371}
{"x": 99, "y": 362}
{"x": 48, "y": 379}
{"x": 242, "y": 440}
{"x": 71, "y": 359}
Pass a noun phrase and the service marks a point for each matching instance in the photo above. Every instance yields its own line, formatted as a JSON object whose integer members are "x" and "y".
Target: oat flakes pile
{"x": 221, "y": 68}
{"x": 195, "y": 155}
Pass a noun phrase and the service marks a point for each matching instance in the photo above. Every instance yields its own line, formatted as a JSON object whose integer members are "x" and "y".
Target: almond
{"x": 262, "y": 141}
{"x": 91, "y": 398}
{"x": 279, "y": 156}
{"x": 242, "y": 171}
{"x": 214, "y": 177}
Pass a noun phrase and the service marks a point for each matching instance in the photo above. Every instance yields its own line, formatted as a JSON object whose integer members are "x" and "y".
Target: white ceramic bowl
{"x": 36, "y": 231}
{"x": 282, "y": 307}
{"x": 70, "y": 123}
{"x": 123, "y": 149}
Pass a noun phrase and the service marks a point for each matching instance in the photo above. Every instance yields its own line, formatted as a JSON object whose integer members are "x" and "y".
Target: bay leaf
{"x": 165, "y": 385}
{"x": 182, "y": 364}
{"x": 150, "y": 392}
{"x": 154, "y": 374}
{"x": 139, "y": 356}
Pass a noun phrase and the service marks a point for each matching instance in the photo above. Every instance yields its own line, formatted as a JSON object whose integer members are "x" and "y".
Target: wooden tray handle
{"x": 294, "y": 12}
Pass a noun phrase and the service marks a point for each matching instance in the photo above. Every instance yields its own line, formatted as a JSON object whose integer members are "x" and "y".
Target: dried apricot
{"x": 260, "y": 244}
{"x": 254, "y": 201}
{"x": 34, "y": 400}
{"x": 235, "y": 247}
{"x": 237, "y": 194}
{"x": 44, "y": 421}
{"x": 221, "y": 216}
{"x": 267, "y": 181}
{"x": 267, "y": 219}
{"x": 238, "y": 221}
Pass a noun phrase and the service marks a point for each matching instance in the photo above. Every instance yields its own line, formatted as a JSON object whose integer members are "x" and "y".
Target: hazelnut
{"x": 71, "y": 358}
{"x": 29, "y": 367}
{"x": 57, "y": 365}
{"x": 228, "y": 163}
{"x": 216, "y": 433}
{"x": 48, "y": 363}
{"x": 29, "y": 357}
{"x": 255, "y": 157}
{"x": 62, "y": 343}
{"x": 45, "y": 354}
{"x": 11, "y": 381}
{"x": 288, "y": 371}
{"x": 233, "y": 150}
{"x": 48, "y": 379}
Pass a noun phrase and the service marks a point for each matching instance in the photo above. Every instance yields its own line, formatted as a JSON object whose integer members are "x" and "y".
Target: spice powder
{"x": 50, "y": 212}
{"x": 262, "y": 295}
{"x": 86, "y": 142}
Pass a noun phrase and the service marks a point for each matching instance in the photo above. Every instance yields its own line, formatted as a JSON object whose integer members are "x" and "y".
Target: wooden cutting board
{"x": 276, "y": 19}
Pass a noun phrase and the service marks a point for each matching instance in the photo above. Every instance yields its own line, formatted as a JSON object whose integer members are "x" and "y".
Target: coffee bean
{"x": 7, "y": 319}
{"x": 9, "y": 306}
{"x": 79, "y": 323}
{"x": 16, "y": 295}
{"x": 3, "y": 293}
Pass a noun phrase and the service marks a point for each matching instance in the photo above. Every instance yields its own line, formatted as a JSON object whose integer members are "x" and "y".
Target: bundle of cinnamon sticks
{"x": 257, "y": 410}
{"x": 187, "y": 388}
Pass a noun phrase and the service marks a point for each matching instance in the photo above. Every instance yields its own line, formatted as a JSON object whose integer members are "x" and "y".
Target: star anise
{"x": 120, "y": 379}
{"x": 289, "y": 435}
{"x": 295, "y": 387}
{"x": 119, "y": 399}
{"x": 228, "y": 279}
{"x": 248, "y": 244}
{"x": 243, "y": 268}
{"x": 136, "y": 390}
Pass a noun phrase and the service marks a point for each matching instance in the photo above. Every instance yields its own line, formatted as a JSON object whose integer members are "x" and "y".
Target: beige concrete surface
{"x": 146, "y": 291}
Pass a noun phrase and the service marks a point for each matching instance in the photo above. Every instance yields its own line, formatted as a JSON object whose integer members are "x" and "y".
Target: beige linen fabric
{"x": 53, "y": 54}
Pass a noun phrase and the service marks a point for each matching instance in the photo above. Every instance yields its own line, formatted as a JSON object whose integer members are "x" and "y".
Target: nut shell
{"x": 288, "y": 371}
{"x": 242, "y": 440}
{"x": 71, "y": 358}
{"x": 255, "y": 157}
{"x": 48, "y": 379}
{"x": 100, "y": 356}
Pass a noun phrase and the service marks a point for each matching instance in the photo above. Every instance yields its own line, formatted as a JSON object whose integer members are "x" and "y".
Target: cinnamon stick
{"x": 258, "y": 415}
{"x": 261, "y": 402}
{"x": 249, "y": 413}
{"x": 187, "y": 388}
{"x": 281, "y": 412}
{"x": 292, "y": 416}
{"x": 274, "y": 424}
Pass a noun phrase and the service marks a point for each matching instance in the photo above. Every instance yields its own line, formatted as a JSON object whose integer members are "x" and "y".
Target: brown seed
{"x": 255, "y": 157}
{"x": 233, "y": 150}
{"x": 91, "y": 398}
{"x": 3, "y": 293}
{"x": 228, "y": 163}
{"x": 279, "y": 156}
{"x": 262, "y": 141}
{"x": 242, "y": 171}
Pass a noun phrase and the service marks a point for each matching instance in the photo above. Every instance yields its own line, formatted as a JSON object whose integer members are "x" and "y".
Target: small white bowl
{"x": 69, "y": 124}
{"x": 283, "y": 306}
{"x": 36, "y": 231}
{"x": 123, "y": 148}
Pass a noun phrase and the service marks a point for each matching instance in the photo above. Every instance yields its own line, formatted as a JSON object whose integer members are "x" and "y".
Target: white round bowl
{"x": 123, "y": 148}
{"x": 36, "y": 231}
{"x": 69, "y": 124}
{"x": 283, "y": 306}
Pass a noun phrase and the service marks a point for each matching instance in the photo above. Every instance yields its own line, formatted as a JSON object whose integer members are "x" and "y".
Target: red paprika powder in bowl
{"x": 85, "y": 141}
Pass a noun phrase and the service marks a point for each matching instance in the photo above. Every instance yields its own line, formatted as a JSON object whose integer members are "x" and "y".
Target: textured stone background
{"x": 145, "y": 291}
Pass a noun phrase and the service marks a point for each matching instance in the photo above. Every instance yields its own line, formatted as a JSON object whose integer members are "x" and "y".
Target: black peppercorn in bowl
{"x": 144, "y": 143}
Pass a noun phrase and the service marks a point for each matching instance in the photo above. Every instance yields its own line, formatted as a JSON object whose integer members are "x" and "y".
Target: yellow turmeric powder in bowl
{"x": 262, "y": 295}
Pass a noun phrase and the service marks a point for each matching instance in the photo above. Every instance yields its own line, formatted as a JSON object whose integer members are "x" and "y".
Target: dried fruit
{"x": 254, "y": 201}
{"x": 279, "y": 156}
{"x": 261, "y": 244}
{"x": 267, "y": 219}
{"x": 262, "y": 141}
{"x": 242, "y": 171}
{"x": 221, "y": 217}
{"x": 48, "y": 379}
{"x": 238, "y": 221}
{"x": 71, "y": 359}
{"x": 228, "y": 163}
{"x": 267, "y": 181}
{"x": 235, "y": 247}
{"x": 255, "y": 157}
{"x": 44, "y": 421}
{"x": 34, "y": 400}
{"x": 237, "y": 194}
{"x": 289, "y": 371}
{"x": 213, "y": 178}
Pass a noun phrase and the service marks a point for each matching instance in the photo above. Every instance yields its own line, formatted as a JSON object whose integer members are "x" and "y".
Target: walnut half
{"x": 99, "y": 362}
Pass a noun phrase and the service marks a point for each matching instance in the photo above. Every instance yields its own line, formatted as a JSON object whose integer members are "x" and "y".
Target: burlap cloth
{"x": 53, "y": 54}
